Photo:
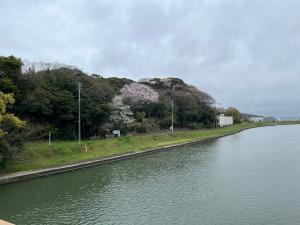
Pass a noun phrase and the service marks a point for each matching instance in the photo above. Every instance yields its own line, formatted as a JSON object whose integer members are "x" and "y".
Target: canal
{"x": 248, "y": 178}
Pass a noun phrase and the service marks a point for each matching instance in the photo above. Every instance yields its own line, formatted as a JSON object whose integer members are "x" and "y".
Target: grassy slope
{"x": 41, "y": 155}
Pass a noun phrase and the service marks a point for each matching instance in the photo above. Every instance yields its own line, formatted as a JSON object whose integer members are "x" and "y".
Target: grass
{"x": 39, "y": 154}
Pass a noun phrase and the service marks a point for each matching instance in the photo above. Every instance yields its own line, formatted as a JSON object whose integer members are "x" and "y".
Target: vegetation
{"x": 39, "y": 154}
{"x": 49, "y": 98}
{"x": 46, "y": 97}
{"x": 231, "y": 111}
{"x": 8, "y": 124}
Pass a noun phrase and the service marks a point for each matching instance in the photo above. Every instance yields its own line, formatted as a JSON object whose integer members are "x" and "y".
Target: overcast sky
{"x": 245, "y": 53}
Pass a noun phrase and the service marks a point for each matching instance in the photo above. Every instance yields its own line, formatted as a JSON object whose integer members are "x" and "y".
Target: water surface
{"x": 249, "y": 178}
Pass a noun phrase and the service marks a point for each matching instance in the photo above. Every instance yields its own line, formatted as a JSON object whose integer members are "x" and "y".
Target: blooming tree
{"x": 139, "y": 93}
{"x": 121, "y": 115}
{"x": 5, "y": 101}
{"x": 6, "y": 118}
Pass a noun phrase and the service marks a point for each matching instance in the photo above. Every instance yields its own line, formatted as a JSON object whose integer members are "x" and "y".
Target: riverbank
{"x": 42, "y": 159}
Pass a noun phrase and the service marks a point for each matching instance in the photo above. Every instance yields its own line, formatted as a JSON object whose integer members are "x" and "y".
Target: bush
{"x": 139, "y": 117}
{"x": 165, "y": 123}
{"x": 141, "y": 129}
{"x": 193, "y": 126}
{"x": 151, "y": 125}
{"x": 5, "y": 153}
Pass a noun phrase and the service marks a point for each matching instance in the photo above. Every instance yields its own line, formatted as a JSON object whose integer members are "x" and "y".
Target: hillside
{"x": 48, "y": 101}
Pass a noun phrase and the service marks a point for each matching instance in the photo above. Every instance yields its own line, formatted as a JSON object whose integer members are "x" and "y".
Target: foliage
{"x": 10, "y": 70}
{"x": 52, "y": 97}
{"x": 139, "y": 116}
{"x": 42, "y": 155}
{"x": 121, "y": 115}
{"x": 7, "y": 119}
{"x": 190, "y": 104}
{"x": 231, "y": 111}
{"x": 141, "y": 129}
{"x": 47, "y": 94}
{"x": 52, "y": 129}
{"x": 8, "y": 122}
{"x": 139, "y": 93}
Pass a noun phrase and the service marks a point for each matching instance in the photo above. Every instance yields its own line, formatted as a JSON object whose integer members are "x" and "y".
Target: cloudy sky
{"x": 245, "y": 53}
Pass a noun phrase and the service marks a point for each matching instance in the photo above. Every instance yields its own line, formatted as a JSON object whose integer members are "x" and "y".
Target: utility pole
{"x": 220, "y": 108}
{"x": 172, "y": 127}
{"x": 79, "y": 116}
{"x": 172, "y": 106}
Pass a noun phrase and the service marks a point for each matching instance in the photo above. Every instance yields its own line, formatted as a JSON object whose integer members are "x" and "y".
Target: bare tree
{"x": 36, "y": 66}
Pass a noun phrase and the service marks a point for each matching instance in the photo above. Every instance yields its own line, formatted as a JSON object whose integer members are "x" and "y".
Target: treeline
{"x": 47, "y": 99}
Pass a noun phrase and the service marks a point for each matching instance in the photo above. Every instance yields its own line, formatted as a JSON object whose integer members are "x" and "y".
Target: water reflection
{"x": 247, "y": 178}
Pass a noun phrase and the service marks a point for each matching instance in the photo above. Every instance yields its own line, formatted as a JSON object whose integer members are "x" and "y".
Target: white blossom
{"x": 139, "y": 93}
{"x": 121, "y": 115}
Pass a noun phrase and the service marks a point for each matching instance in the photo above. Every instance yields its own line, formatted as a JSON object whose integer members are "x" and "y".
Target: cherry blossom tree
{"x": 139, "y": 93}
{"x": 121, "y": 115}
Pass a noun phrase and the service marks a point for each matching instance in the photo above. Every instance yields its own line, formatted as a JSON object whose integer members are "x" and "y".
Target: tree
{"x": 51, "y": 97}
{"x": 121, "y": 115}
{"x": 8, "y": 121}
{"x": 139, "y": 93}
{"x": 46, "y": 93}
{"x": 190, "y": 104}
{"x": 231, "y": 111}
{"x": 139, "y": 116}
{"x": 10, "y": 70}
{"x": 32, "y": 66}
{"x": 5, "y": 117}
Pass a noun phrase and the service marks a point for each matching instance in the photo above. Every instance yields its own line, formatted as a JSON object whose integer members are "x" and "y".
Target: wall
{"x": 224, "y": 120}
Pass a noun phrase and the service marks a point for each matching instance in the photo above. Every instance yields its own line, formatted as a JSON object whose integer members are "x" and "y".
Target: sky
{"x": 245, "y": 53}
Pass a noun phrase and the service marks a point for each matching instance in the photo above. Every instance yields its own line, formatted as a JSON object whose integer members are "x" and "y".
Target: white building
{"x": 224, "y": 121}
{"x": 256, "y": 119}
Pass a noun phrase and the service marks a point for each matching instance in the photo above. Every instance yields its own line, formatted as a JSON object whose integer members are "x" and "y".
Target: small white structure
{"x": 224, "y": 121}
{"x": 116, "y": 133}
{"x": 256, "y": 119}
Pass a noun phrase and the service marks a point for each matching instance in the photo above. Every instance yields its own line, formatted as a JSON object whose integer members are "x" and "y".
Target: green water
{"x": 249, "y": 178}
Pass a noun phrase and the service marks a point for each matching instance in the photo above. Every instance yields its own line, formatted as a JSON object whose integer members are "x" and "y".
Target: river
{"x": 248, "y": 178}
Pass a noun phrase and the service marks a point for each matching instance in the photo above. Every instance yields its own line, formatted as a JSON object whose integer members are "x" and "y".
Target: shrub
{"x": 5, "y": 153}
{"x": 141, "y": 129}
{"x": 165, "y": 123}
{"x": 139, "y": 116}
{"x": 193, "y": 125}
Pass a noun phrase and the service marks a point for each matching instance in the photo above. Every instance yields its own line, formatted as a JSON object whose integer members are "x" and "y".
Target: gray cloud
{"x": 244, "y": 53}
